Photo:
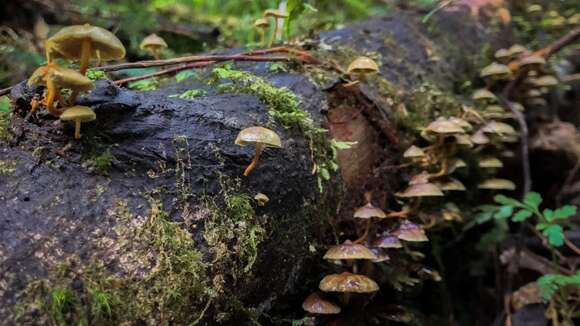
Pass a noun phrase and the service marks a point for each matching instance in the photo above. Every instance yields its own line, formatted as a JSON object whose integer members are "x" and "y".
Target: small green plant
{"x": 61, "y": 298}
{"x": 150, "y": 84}
{"x": 550, "y": 222}
{"x": 549, "y": 284}
{"x": 102, "y": 163}
{"x": 96, "y": 74}
{"x": 190, "y": 94}
{"x": 184, "y": 75}
{"x": 4, "y": 117}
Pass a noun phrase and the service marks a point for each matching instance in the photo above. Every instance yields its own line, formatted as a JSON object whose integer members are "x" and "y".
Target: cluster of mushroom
{"x": 263, "y": 25}
{"x": 552, "y": 18}
{"x": 371, "y": 248}
{"x": 78, "y": 42}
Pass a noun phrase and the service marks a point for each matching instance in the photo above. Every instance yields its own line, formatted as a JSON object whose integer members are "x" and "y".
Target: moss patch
{"x": 7, "y": 167}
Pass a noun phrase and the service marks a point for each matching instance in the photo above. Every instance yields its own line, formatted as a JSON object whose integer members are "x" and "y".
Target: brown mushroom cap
{"x": 421, "y": 190}
{"x": 381, "y": 254}
{"x": 483, "y": 95}
{"x": 414, "y": 152}
{"x": 502, "y": 55}
{"x": 152, "y": 42}
{"x": 480, "y": 138}
{"x": 369, "y": 211}
{"x": 253, "y": 135}
{"x": 348, "y": 282}
{"x": 516, "y": 50}
{"x": 316, "y": 305}
{"x": 362, "y": 65}
{"x": 463, "y": 139}
{"x": 497, "y": 184}
{"x": 532, "y": 60}
{"x": 62, "y": 78}
{"x": 499, "y": 128}
{"x": 261, "y": 23}
{"x": 67, "y": 42}
{"x": 409, "y": 231}
{"x": 450, "y": 184}
{"x": 348, "y": 250}
{"x": 462, "y": 123}
{"x": 78, "y": 113}
{"x": 261, "y": 199}
{"x": 444, "y": 126}
{"x": 546, "y": 81}
{"x": 420, "y": 178}
{"x": 387, "y": 241}
{"x": 496, "y": 70}
{"x": 490, "y": 162}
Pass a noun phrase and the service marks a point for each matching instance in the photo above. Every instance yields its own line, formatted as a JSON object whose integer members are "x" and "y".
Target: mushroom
{"x": 348, "y": 251}
{"x": 532, "y": 62}
{"x": 450, "y": 184}
{"x": 84, "y": 42}
{"x": 54, "y": 78}
{"x": 484, "y": 96}
{"x": 261, "y": 137}
{"x": 490, "y": 162}
{"x": 409, "y": 231}
{"x": 500, "y": 128}
{"x": 451, "y": 212}
{"x": 387, "y": 241}
{"x": 362, "y": 66}
{"x": 496, "y": 71}
{"x": 479, "y": 138}
{"x": 463, "y": 139}
{"x": 369, "y": 211}
{"x": 381, "y": 254}
{"x": 261, "y": 199}
{"x": 515, "y": 50}
{"x": 502, "y": 55}
{"x": 277, "y": 14}
{"x": 420, "y": 190}
{"x": 262, "y": 25}
{"x": 546, "y": 81}
{"x": 153, "y": 44}
{"x": 316, "y": 305}
{"x": 497, "y": 184}
{"x": 414, "y": 152}
{"x": 78, "y": 114}
{"x": 348, "y": 283}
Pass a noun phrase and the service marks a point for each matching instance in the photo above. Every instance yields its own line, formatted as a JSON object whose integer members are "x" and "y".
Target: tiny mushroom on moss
{"x": 278, "y": 15}
{"x": 78, "y": 114}
{"x": 261, "y": 137}
{"x": 84, "y": 42}
{"x": 153, "y": 44}
{"x": 362, "y": 66}
{"x": 316, "y": 305}
{"x": 497, "y": 184}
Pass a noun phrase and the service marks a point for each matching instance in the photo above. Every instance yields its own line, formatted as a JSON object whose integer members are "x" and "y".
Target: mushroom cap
{"x": 546, "y": 81}
{"x": 261, "y": 23}
{"x": 502, "y": 54}
{"x": 461, "y": 122}
{"x": 516, "y": 50}
{"x": 490, "y": 162}
{"x": 444, "y": 126}
{"x": 261, "y": 199}
{"x": 532, "y": 60}
{"x": 518, "y": 106}
{"x": 348, "y": 282}
{"x": 254, "y": 135}
{"x": 496, "y": 70}
{"x": 451, "y": 212}
{"x": 275, "y": 13}
{"x": 78, "y": 112}
{"x": 316, "y": 305}
{"x": 420, "y": 178}
{"x": 387, "y": 241}
{"x": 369, "y": 211}
{"x": 483, "y": 95}
{"x": 495, "y": 127}
{"x": 409, "y": 231}
{"x": 152, "y": 41}
{"x": 381, "y": 255}
{"x": 480, "y": 138}
{"x": 463, "y": 139}
{"x": 414, "y": 152}
{"x": 67, "y": 42}
{"x": 533, "y": 93}
{"x": 534, "y": 8}
{"x": 450, "y": 184}
{"x": 362, "y": 65}
{"x": 497, "y": 184}
{"x": 348, "y": 250}
{"x": 421, "y": 190}
{"x": 62, "y": 77}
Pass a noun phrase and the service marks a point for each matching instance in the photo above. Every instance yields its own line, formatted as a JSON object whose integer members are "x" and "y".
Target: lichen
{"x": 7, "y": 167}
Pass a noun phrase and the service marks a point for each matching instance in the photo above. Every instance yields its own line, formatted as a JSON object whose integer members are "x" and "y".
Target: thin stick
{"x": 5, "y": 91}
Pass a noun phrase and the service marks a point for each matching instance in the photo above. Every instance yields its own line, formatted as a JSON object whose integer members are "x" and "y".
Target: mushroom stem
{"x": 52, "y": 93}
{"x": 78, "y": 129}
{"x": 274, "y": 34}
{"x": 366, "y": 233}
{"x": 443, "y": 170}
{"x": 345, "y": 298}
{"x": 85, "y": 56}
{"x": 255, "y": 160}
{"x": 155, "y": 53}
{"x": 262, "y": 36}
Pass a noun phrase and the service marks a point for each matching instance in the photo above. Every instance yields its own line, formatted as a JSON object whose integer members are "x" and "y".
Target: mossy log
{"x": 147, "y": 218}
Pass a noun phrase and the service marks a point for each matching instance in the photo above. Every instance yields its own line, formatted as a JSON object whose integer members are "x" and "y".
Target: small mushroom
{"x": 84, "y": 42}
{"x": 463, "y": 139}
{"x": 409, "y": 231}
{"x": 532, "y": 62}
{"x": 381, "y": 254}
{"x": 496, "y": 71}
{"x": 414, "y": 152}
{"x": 497, "y": 184}
{"x": 387, "y": 241}
{"x": 362, "y": 66}
{"x": 444, "y": 126}
{"x": 278, "y": 15}
{"x": 316, "y": 305}
{"x": 369, "y": 211}
{"x": 421, "y": 190}
{"x": 546, "y": 81}
{"x": 348, "y": 283}
{"x": 450, "y": 184}
{"x": 499, "y": 128}
{"x": 490, "y": 162}
{"x": 261, "y": 199}
{"x": 78, "y": 114}
{"x": 153, "y": 44}
{"x": 479, "y": 138}
{"x": 348, "y": 251}
{"x": 261, "y": 137}
{"x": 420, "y": 178}
{"x": 262, "y": 25}
{"x": 515, "y": 50}
{"x": 502, "y": 55}
{"x": 484, "y": 96}
{"x": 534, "y": 9}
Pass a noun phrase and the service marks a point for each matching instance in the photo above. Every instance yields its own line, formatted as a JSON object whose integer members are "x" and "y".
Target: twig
{"x": 572, "y": 246}
{"x": 5, "y": 91}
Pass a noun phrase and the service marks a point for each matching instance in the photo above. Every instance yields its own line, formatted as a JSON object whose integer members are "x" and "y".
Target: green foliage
{"x": 184, "y": 75}
{"x": 60, "y": 299}
{"x": 145, "y": 85}
{"x": 190, "y": 94}
{"x": 103, "y": 162}
{"x": 96, "y": 74}
{"x": 7, "y": 167}
{"x": 549, "y": 284}
{"x": 4, "y": 118}
{"x": 547, "y": 220}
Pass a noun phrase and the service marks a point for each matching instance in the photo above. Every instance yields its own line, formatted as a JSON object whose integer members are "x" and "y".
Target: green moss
{"x": 182, "y": 168}
{"x": 190, "y": 94}
{"x": 102, "y": 162}
{"x": 4, "y": 120}
{"x": 7, "y": 167}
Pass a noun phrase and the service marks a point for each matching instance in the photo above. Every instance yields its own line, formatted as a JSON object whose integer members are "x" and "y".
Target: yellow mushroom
{"x": 153, "y": 44}
{"x": 277, "y": 14}
{"x": 78, "y": 114}
{"x": 262, "y": 25}
{"x": 261, "y": 137}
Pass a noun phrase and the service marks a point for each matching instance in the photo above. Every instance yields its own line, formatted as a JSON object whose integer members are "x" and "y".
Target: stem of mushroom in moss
{"x": 259, "y": 148}
{"x": 85, "y": 55}
{"x": 51, "y": 94}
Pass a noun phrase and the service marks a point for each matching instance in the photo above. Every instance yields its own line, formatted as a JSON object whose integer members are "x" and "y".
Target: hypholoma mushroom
{"x": 362, "y": 66}
{"x": 54, "y": 78}
{"x": 84, "y": 42}
{"x": 483, "y": 95}
{"x": 414, "y": 152}
{"x": 78, "y": 114}
{"x": 261, "y": 199}
{"x": 316, "y": 305}
{"x": 278, "y": 15}
{"x": 450, "y": 184}
{"x": 348, "y": 251}
{"x": 348, "y": 283}
{"x": 490, "y": 162}
{"x": 153, "y": 44}
{"x": 262, "y": 25}
{"x": 261, "y": 137}
{"x": 502, "y": 55}
{"x": 409, "y": 231}
{"x": 496, "y": 71}
{"x": 497, "y": 184}
{"x": 387, "y": 241}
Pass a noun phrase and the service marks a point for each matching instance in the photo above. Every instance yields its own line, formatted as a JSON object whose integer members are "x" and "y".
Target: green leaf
{"x": 522, "y": 215}
{"x": 504, "y": 212}
{"x": 555, "y": 235}
{"x": 533, "y": 199}
{"x": 548, "y": 214}
{"x": 504, "y": 200}
{"x": 324, "y": 174}
{"x": 4, "y": 104}
{"x": 549, "y": 284}
{"x": 564, "y": 212}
